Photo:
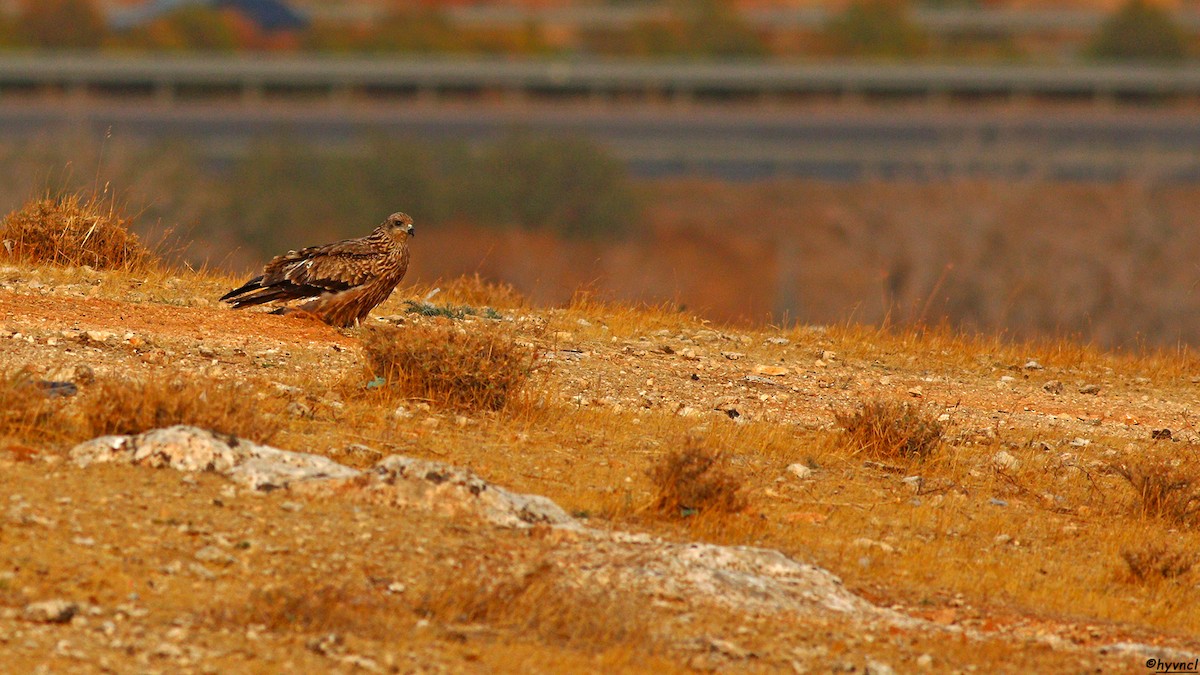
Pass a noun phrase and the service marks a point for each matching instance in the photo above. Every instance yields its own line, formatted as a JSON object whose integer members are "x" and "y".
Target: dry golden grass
{"x": 476, "y": 291}
{"x": 543, "y": 601}
{"x": 1156, "y": 562}
{"x": 26, "y": 412}
{"x": 73, "y": 231}
{"x": 447, "y": 365}
{"x": 884, "y": 430}
{"x": 1039, "y": 541}
{"x": 127, "y": 406}
{"x": 321, "y": 609}
{"x": 694, "y": 481}
{"x": 1165, "y": 488}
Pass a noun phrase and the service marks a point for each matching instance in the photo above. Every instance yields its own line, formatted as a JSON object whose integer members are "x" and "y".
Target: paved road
{"x": 842, "y": 143}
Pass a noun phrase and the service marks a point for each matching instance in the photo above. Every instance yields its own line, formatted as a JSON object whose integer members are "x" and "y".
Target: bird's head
{"x": 399, "y": 226}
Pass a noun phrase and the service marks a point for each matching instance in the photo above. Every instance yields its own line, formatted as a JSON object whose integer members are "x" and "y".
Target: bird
{"x": 342, "y": 282}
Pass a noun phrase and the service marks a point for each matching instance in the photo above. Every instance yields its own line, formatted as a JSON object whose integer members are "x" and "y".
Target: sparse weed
{"x": 26, "y": 411}
{"x": 120, "y": 406}
{"x": 450, "y": 311}
{"x": 1156, "y": 562}
{"x": 891, "y": 430}
{"x": 544, "y": 601}
{"x": 483, "y": 369}
{"x": 692, "y": 481}
{"x": 73, "y": 231}
{"x": 323, "y": 609}
{"x": 476, "y": 291}
{"x": 1165, "y": 488}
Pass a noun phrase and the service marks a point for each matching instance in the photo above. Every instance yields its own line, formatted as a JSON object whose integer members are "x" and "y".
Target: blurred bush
{"x": 564, "y": 185}
{"x": 193, "y": 27}
{"x": 876, "y": 28}
{"x": 1139, "y": 31}
{"x": 569, "y": 186}
{"x": 708, "y": 28}
{"x": 69, "y": 24}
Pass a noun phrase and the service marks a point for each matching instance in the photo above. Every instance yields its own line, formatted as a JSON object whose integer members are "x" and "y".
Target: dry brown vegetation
{"x": 73, "y": 230}
{"x": 542, "y": 600}
{"x": 1165, "y": 487}
{"x": 695, "y": 480}
{"x": 323, "y": 609}
{"x": 1156, "y": 562}
{"x": 1011, "y": 555}
{"x": 127, "y": 406}
{"x": 448, "y": 365}
{"x": 887, "y": 430}
{"x": 26, "y": 412}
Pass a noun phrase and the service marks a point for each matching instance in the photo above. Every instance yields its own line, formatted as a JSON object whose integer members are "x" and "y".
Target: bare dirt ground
{"x": 1003, "y": 551}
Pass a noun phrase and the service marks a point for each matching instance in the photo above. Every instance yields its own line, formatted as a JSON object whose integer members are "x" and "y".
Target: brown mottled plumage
{"x": 345, "y": 279}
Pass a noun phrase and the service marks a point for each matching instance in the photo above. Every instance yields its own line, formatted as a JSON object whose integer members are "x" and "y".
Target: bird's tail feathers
{"x": 252, "y": 285}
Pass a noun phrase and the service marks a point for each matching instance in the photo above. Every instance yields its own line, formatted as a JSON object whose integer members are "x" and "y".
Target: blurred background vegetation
{"x": 703, "y": 29}
{"x": 1032, "y": 252}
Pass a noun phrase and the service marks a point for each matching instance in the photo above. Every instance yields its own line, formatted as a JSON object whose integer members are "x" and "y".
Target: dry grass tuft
{"x": 476, "y": 291}
{"x": 543, "y": 601}
{"x": 26, "y": 412}
{"x": 1165, "y": 488}
{"x": 1157, "y": 563}
{"x": 483, "y": 369}
{"x": 72, "y": 231}
{"x": 308, "y": 610}
{"x": 692, "y": 481}
{"x": 891, "y": 430}
{"x": 133, "y": 406}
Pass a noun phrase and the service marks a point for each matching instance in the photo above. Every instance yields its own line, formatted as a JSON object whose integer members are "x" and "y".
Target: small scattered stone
{"x": 201, "y": 571}
{"x": 914, "y": 482}
{"x": 1005, "y": 460}
{"x": 925, "y": 661}
{"x": 997, "y": 502}
{"x": 396, "y": 587}
{"x": 878, "y": 668}
{"x": 863, "y": 542}
{"x": 1081, "y": 442}
{"x": 166, "y": 650}
{"x": 97, "y": 335}
{"x": 770, "y": 371}
{"x": 84, "y": 374}
{"x": 1053, "y": 387}
{"x": 214, "y": 554}
{"x": 1161, "y": 434}
{"x": 292, "y": 507}
{"x": 732, "y": 356}
{"x": 728, "y": 648}
{"x": 916, "y": 392}
{"x": 206, "y": 351}
{"x": 299, "y": 409}
{"x": 778, "y": 341}
{"x": 50, "y": 611}
{"x": 800, "y": 470}
{"x": 1032, "y": 365}
{"x": 1092, "y": 389}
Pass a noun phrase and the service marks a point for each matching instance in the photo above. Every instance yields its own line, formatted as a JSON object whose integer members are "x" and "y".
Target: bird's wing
{"x": 333, "y": 267}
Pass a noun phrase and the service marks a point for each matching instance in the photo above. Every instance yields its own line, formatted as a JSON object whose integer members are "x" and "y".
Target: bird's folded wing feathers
{"x": 335, "y": 267}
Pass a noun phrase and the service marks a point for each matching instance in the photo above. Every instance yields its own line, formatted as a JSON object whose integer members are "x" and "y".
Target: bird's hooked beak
{"x": 411, "y": 231}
